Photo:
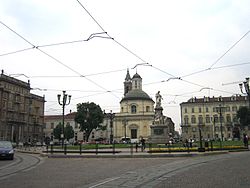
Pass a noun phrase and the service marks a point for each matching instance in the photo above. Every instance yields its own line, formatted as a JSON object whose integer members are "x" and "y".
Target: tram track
{"x": 24, "y": 163}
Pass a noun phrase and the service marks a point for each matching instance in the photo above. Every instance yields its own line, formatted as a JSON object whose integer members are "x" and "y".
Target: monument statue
{"x": 158, "y": 99}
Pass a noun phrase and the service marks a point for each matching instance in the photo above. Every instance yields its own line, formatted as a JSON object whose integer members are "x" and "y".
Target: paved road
{"x": 21, "y": 163}
{"x": 230, "y": 171}
{"x": 203, "y": 171}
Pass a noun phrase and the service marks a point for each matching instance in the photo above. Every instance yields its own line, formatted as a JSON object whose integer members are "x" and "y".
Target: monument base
{"x": 159, "y": 134}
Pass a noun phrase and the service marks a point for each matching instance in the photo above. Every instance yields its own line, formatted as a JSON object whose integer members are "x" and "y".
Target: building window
{"x": 228, "y": 118}
{"x": 215, "y": 109}
{"x": 133, "y": 109}
{"x": 186, "y": 120}
{"x": 147, "y": 108}
{"x": 185, "y": 110}
{"x": 235, "y": 119}
{"x": 135, "y": 84}
{"x": 193, "y": 119}
{"x": 122, "y": 109}
{"x": 227, "y": 109}
{"x": 216, "y": 119}
{"x": 52, "y": 125}
{"x": 234, "y": 108}
{"x": 192, "y": 110}
{"x": 200, "y": 110}
{"x": 207, "y": 119}
{"x": 200, "y": 120}
{"x": 207, "y": 110}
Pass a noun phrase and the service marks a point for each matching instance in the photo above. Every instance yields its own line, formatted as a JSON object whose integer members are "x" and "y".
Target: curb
{"x": 126, "y": 155}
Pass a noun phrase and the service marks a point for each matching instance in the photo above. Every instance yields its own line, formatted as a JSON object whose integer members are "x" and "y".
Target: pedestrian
{"x": 186, "y": 143}
{"x": 136, "y": 147}
{"x": 142, "y": 144}
{"x": 245, "y": 140}
{"x": 190, "y": 142}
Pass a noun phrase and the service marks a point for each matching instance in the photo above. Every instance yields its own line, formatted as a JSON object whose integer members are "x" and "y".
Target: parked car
{"x": 6, "y": 150}
{"x": 126, "y": 140}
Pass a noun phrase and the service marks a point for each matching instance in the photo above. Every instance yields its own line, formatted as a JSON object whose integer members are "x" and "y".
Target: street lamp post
{"x": 213, "y": 127}
{"x": 111, "y": 116}
{"x": 201, "y": 148}
{"x": 219, "y": 109}
{"x": 65, "y": 101}
{"x": 125, "y": 128}
{"x": 247, "y": 90}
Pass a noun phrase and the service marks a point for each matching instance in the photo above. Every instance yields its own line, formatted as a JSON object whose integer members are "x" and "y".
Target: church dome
{"x": 136, "y": 94}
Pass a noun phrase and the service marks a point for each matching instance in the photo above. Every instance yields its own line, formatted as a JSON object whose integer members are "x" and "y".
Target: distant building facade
{"x": 51, "y": 121}
{"x": 213, "y": 117}
{"x": 21, "y": 112}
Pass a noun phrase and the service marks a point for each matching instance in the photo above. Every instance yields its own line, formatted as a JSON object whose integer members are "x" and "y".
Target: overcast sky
{"x": 181, "y": 48}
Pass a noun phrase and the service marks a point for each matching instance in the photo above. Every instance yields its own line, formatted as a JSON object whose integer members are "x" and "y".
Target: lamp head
{"x": 58, "y": 98}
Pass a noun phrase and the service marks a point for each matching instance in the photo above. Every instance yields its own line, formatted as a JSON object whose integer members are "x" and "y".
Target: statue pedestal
{"x": 159, "y": 134}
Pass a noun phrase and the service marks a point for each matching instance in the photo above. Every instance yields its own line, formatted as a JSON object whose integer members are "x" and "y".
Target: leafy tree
{"x": 68, "y": 132}
{"x": 57, "y": 131}
{"x": 243, "y": 114}
{"x": 89, "y": 116}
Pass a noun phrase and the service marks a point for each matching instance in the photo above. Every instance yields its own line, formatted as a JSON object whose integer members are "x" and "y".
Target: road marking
{"x": 108, "y": 180}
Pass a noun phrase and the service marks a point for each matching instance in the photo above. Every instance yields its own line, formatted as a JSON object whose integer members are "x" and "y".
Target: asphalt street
{"x": 224, "y": 170}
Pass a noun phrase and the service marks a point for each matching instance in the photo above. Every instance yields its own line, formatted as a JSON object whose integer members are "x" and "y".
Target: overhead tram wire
{"x": 134, "y": 54}
{"x": 145, "y": 62}
{"x": 229, "y": 49}
{"x": 211, "y": 67}
{"x": 86, "y": 75}
{"x": 91, "y": 36}
{"x": 17, "y": 51}
{"x": 58, "y": 61}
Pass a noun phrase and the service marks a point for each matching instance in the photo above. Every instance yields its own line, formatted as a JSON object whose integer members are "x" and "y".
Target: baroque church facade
{"x": 136, "y": 111}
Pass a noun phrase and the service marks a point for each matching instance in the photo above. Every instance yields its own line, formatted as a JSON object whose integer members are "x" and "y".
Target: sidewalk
{"x": 120, "y": 153}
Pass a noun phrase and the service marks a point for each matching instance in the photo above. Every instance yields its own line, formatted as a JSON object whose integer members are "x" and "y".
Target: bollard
{"x": 131, "y": 148}
{"x": 80, "y": 148}
{"x": 51, "y": 149}
{"x": 211, "y": 143}
{"x": 150, "y": 148}
{"x": 96, "y": 148}
{"x": 65, "y": 149}
{"x": 113, "y": 148}
{"x": 136, "y": 147}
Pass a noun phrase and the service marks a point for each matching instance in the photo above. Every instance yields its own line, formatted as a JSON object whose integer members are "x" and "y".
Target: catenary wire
{"x": 58, "y": 61}
{"x": 17, "y": 51}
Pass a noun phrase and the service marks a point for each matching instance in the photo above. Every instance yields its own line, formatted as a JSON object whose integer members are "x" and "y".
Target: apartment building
{"x": 212, "y": 117}
{"x": 21, "y": 112}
